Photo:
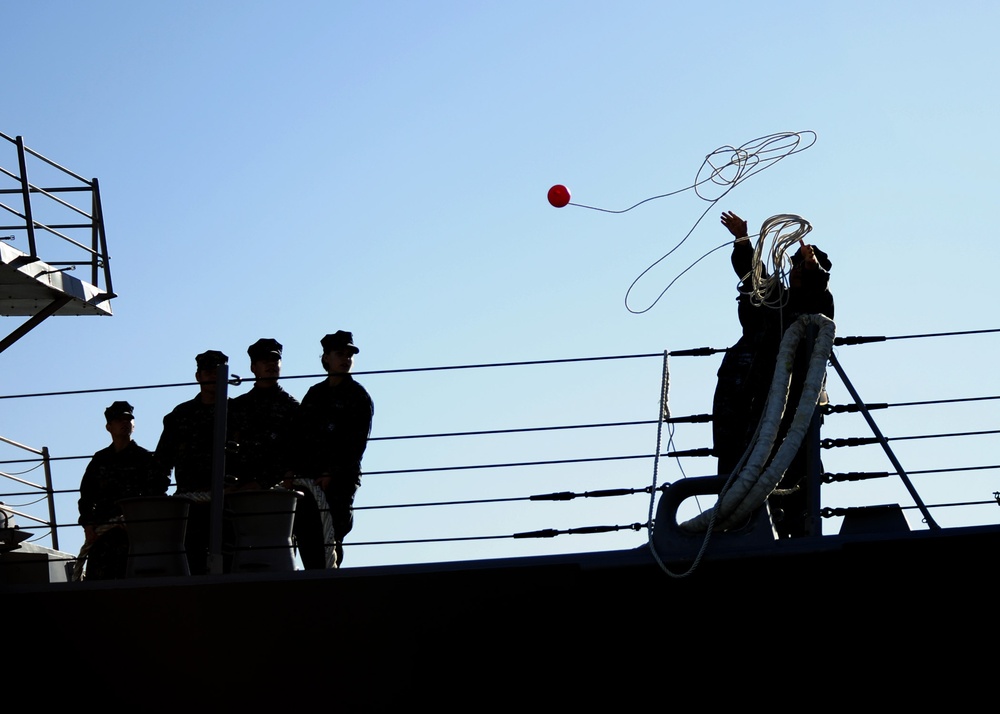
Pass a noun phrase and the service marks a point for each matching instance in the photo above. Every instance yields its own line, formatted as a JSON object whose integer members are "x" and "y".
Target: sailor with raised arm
{"x": 744, "y": 378}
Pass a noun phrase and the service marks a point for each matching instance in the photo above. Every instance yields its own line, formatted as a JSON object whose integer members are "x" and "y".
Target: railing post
{"x": 100, "y": 239}
{"x": 51, "y": 498}
{"x": 814, "y": 475}
{"x": 811, "y": 448}
{"x": 26, "y": 195}
{"x": 218, "y": 468}
{"x": 95, "y": 211}
{"x": 928, "y": 518}
{"x": 664, "y": 415}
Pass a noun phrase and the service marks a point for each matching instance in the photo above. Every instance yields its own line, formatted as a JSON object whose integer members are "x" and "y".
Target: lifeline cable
{"x": 411, "y": 370}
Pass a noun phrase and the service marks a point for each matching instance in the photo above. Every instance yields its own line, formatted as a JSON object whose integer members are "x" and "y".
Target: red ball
{"x": 559, "y": 195}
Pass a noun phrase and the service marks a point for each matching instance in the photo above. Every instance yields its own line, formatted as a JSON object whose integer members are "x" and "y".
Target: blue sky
{"x": 287, "y": 170}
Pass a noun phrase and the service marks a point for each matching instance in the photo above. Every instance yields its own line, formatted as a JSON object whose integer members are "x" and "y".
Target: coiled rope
{"x": 325, "y": 519}
{"x": 787, "y": 229}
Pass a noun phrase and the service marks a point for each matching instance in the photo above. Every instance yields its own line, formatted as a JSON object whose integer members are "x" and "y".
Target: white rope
{"x": 754, "y": 484}
{"x": 325, "y": 519}
{"x": 787, "y": 229}
{"x": 663, "y": 416}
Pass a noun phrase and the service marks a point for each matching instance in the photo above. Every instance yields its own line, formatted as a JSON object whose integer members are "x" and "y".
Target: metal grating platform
{"x": 28, "y": 285}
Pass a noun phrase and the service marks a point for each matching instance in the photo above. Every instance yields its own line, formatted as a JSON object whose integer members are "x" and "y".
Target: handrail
{"x": 376, "y": 471}
{"x": 47, "y": 489}
{"x": 35, "y": 199}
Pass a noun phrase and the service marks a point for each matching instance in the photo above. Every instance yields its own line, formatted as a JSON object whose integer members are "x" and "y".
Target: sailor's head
{"x": 208, "y": 364}
{"x": 807, "y": 257}
{"x": 120, "y": 419}
{"x": 265, "y": 359}
{"x": 338, "y": 352}
{"x": 812, "y": 254}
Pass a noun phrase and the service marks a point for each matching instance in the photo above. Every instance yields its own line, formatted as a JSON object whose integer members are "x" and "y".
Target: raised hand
{"x": 736, "y": 225}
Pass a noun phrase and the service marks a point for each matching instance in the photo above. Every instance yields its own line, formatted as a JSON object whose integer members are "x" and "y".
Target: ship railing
{"x": 629, "y": 480}
{"x": 68, "y": 209}
{"x": 46, "y": 490}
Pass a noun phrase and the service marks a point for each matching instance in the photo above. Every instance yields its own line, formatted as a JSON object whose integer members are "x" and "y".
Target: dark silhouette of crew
{"x": 122, "y": 470}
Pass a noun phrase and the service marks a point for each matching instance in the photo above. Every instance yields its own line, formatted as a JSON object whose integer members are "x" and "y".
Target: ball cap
{"x": 264, "y": 348}
{"x": 339, "y": 340}
{"x": 210, "y": 359}
{"x": 119, "y": 410}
